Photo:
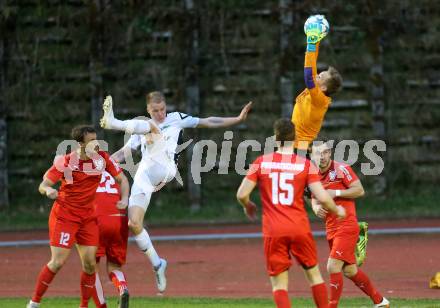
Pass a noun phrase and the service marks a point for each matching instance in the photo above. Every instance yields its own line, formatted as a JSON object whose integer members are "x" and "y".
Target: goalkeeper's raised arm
{"x": 327, "y": 82}
{"x": 312, "y": 104}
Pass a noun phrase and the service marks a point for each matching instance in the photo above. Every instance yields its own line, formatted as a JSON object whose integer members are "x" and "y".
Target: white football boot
{"x": 32, "y": 304}
{"x": 108, "y": 117}
{"x": 161, "y": 280}
{"x": 383, "y": 304}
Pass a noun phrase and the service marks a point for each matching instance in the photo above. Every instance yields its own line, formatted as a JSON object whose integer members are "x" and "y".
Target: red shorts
{"x": 113, "y": 238}
{"x": 278, "y": 252}
{"x": 343, "y": 244}
{"x": 66, "y": 228}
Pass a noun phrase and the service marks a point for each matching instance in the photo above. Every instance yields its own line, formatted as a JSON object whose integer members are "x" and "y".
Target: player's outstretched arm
{"x": 46, "y": 189}
{"x": 243, "y": 197}
{"x": 326, "y": 200}
{"x": 216, "y": 122}
{"x": 125, "y": 190}
{"x": 310, "y": 65}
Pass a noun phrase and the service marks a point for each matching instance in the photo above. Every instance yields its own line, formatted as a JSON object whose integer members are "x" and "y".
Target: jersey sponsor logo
{"x": 282, "y": 166}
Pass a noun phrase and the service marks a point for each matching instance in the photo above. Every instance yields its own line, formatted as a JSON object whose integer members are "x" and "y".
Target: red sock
{"x": 98, "y": 294}
{"x": 364, "y": 283}
{"x": 87, "y": 287}
{"x": 336, "y": 285}
{"x": 320, "y": 295}
{"x": 43, "y": 281}
{"x": 118, "y": 279}
{"x": 281, "y": 298}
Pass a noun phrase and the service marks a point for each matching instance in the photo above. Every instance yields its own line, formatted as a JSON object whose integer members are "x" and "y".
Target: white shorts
{"x": 152, "y": 175}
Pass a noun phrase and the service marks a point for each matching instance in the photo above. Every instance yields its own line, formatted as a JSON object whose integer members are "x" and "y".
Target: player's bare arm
{"x": 125, "y": 190}
{"x": 318, "y": 209}
{"x": 216, "y": 122}
{"x": 243, "y": 197}
{"x": 46, "y": 189}
{"x": 326, "y": 200}
{"x": 354, "y": 191}
{"x": 118, "y": 156}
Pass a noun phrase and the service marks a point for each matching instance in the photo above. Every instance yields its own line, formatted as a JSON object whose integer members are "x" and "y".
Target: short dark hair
{"x": 284, "y": 130}
{"x": 334, "y": 83}
{"x": 322, "y": 139}
{"x": 78, "y": 132}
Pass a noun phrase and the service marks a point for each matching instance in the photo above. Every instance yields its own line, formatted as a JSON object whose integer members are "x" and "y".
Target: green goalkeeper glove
{"x": 314, "y": 34}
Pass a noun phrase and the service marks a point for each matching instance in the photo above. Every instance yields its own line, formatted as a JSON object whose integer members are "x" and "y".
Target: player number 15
{"x": 282, "y": 191}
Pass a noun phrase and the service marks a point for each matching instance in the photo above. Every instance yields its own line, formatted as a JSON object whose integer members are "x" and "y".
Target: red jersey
{"x": 80, "y": 179}
{"x": 281, "y": 180}
{"x": 107, "y": 195}
{"x": 339, "y": 176}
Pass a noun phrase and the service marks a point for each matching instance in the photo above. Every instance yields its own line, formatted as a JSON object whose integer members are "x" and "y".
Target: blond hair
{"x": 155, "y": 97}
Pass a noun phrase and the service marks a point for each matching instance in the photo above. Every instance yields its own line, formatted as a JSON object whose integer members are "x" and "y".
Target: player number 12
{"x": 282, "y": 192}
{"x": 64, "y": 238}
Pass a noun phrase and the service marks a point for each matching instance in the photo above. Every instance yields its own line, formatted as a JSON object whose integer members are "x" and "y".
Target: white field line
{"x": 227, "y": 236}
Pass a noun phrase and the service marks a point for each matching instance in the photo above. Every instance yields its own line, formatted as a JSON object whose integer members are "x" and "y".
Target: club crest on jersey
{"x": 99, "y": 164}
{"x": 332, "y": 175}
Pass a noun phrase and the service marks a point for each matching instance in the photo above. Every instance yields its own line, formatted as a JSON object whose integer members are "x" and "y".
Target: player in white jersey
{"x": 158, "y": 139}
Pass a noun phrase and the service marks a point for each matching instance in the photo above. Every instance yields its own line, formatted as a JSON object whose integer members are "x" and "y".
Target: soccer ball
{"x": 321, "y": 21}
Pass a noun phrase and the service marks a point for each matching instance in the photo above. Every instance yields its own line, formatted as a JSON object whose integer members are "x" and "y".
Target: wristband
{"x": 338, "y": 193}
{"x": 311, "y": 47}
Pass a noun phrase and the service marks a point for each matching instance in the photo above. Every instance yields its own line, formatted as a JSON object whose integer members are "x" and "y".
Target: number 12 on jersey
{"x": 282, "y": 190}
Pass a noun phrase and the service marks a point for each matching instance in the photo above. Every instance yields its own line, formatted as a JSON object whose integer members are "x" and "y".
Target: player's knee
{"x": 333, "y": 268}
{"x": 56, "y": 263}
{"x": 313, "y": 275}
{"x": 135, "y": 226}
{"x": 89, "y": 265}
{"x": 350, "y": 271}
{"x": 279, "y": 284}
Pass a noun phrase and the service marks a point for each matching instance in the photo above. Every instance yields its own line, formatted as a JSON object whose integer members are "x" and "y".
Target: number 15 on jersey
{"x": 282, "y": 188}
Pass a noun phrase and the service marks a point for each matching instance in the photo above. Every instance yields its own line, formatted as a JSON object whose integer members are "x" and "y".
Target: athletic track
{"x": 227, "y": 261}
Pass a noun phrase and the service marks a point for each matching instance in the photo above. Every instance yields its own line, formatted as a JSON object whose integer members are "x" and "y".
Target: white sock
{"x": 119, "y": 275}
{"x": 144, "y": 243}
{"x": 131, "y": 126}
{"x": 99, "y": 290}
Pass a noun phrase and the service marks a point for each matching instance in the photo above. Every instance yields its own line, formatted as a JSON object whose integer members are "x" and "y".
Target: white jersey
{"x": 171, "y": 129}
